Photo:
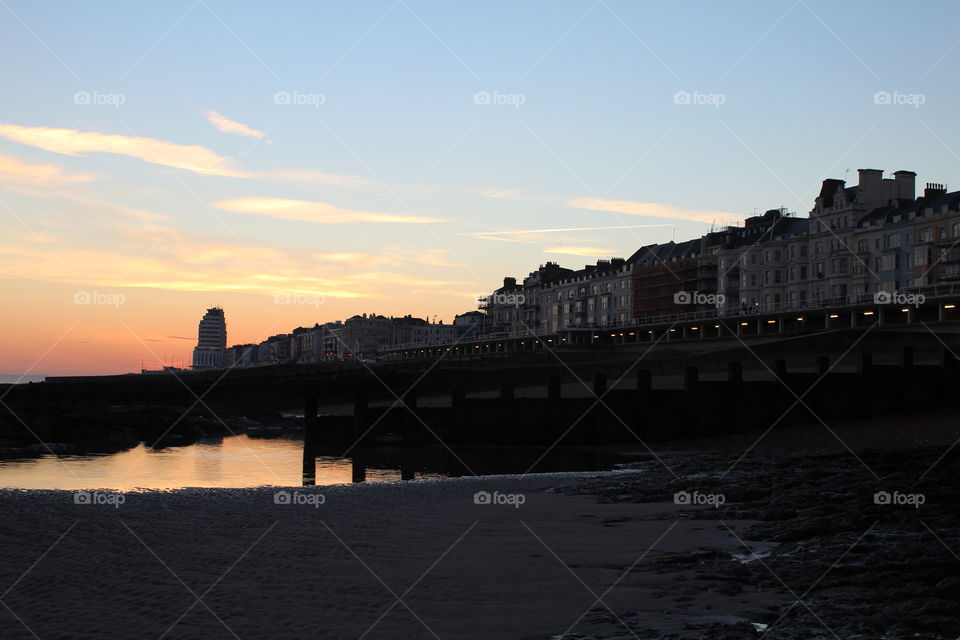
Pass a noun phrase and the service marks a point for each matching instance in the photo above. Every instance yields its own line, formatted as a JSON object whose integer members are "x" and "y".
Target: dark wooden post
{"x": 505, "y": 420}
{"x": 905, "y": 382}
{"x": 820, "y": 394}
{"x": 406, "y": 464}
{"x": 645, "y": 417}
{"x": 458, "y": 413}
{"x": 823, "y": 365}
{"x": 948, "y": 376}
{"x": 734, "y": 395}
{"x": 554, "y": 422}
{"x": 358, "y": 465}
{"x": 309, "y": 441}
{"x": 865, "y": 383}
{"x": 600, "y": 414}
{"x": 360, "y": 407}
{"x": 780, "y": 369}
{"x": 782, "y": 398}
{"x": 408, "y": 418}
{"x": 691, "y": 412}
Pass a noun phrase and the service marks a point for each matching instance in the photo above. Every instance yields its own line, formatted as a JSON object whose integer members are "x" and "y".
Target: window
{"x": 926, "y": 235}
{"x": 818, "y": 249}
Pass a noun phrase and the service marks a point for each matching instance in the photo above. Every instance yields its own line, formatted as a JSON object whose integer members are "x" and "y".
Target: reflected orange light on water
{"x": 236, "y": 461}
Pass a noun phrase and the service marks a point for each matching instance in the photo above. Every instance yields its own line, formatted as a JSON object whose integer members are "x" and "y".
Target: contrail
{"x": 519, "y": 231}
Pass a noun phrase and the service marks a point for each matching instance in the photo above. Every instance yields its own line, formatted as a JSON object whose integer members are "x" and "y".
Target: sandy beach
{"x": 796, "y": 542}
{"x": 709, "y": 538}
{"x": 336, "y": 570}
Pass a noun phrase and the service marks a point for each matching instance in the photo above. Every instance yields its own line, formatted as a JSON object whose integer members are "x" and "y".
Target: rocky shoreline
{"x": 857, "y": 545}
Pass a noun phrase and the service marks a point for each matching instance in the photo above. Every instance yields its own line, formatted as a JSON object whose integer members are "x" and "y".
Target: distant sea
{"x": 8, "y": 378}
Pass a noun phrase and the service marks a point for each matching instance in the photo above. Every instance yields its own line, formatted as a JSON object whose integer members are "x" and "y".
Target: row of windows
{"x": 579, "y": 306}
{"x": 594, "y": 289}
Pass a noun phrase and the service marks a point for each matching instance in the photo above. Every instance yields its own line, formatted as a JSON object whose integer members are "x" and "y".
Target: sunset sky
{"x": 403, "y": 156}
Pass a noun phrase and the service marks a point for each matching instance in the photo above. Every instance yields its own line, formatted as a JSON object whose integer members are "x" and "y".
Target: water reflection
{"x": 244, "y": 461}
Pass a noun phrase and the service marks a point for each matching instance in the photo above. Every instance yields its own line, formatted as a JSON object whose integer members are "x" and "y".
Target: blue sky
{"x": 584, "y": 129}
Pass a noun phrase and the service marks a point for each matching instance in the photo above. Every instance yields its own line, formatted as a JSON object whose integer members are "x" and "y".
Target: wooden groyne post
{"x": 734, "y": 395}
{"x": 645, "y": 418}
{"x": 310, "y": 441}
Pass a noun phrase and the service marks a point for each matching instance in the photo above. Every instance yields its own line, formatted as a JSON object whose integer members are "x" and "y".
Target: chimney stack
{"x": 906, "y": 185}
{"x": 871, "y": 187}
{"x": 934, "y": 189}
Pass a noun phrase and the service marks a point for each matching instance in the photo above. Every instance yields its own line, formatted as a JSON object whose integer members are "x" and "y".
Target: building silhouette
{"x": 211, "y": 340}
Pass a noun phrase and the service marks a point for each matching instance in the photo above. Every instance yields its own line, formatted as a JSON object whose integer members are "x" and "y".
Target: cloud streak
{"x": 576, "y": 250}
{"x": 15, "y": 172}
{"x": 77, "y": 143}
{"x": 650, "y": 209}
{"x": 313, "y": 211}
{"x": 194, "y": 158}
{"x": 226, "y": 125}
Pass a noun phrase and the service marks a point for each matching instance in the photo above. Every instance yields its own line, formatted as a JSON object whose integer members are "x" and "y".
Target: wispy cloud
{"x": 650, "y": 209}
{"x": 313, "y": 211}
{"x": 15, "y": 172}
{"x": 227, "y": 125}
{"x": 629, "y": 207}
{"x": 529, "y": 236}
{"x": 193, "y": 158}
{"x": 575, "y": 250}
{"x": 319, "y": 177}
{"x": 192, "y": 262}
{"x": 76, "y": 143}
{"x": 512, "y": 193}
